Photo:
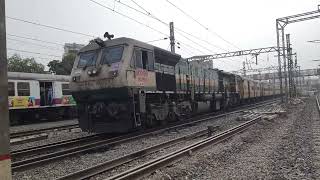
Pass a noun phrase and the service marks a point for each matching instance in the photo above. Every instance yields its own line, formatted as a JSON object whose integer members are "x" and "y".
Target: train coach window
{"x": 11, "y": 89}
{"x": 111, "y": 55}
{"x": 23, "y": 89}
{"x": 87, "y": 59}
{"x": 65, "y": 89}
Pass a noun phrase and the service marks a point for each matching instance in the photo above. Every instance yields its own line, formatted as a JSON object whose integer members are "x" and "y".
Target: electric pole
{"x": 289, "y": 57}
{"x": 5, "y": 160}
{"x": 172, "y": 40}
{"x": 295, "y": 76}
{"x": 244, "y": 69}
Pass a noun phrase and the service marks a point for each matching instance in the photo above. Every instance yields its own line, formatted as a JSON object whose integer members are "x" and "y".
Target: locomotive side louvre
{"x": 257, "y": 89}
{"x": 246, "y": 90}
{"x": 240, "y": 88}
{"x": 165, "y": 70}
{"x": 251, "y": 89}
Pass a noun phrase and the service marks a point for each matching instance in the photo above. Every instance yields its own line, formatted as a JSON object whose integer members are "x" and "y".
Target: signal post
{"x": 5, "y": 160}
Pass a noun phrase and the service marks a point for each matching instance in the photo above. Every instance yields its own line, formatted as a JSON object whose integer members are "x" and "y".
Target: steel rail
{"x": 47, "y": 147}
{"x": 40, "y": 160}
{"x": 151, "y": 166}
{"x": 109, "y": 165}
{"x": 318, "y": 104}
{"x": 43, "y": 130}
{"x": 106, "y": 166}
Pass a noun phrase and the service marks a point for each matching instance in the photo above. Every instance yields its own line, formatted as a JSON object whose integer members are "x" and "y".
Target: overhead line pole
{"x": 280, "y": 25}
{"x": 172, "y": 40}
{"x": 279, "y": 59}
{"x": 5, "y": 160}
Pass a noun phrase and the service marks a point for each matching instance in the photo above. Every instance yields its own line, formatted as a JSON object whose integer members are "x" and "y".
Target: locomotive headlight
{"x": 94, "y": 71}
{"x": 89, "y": 72}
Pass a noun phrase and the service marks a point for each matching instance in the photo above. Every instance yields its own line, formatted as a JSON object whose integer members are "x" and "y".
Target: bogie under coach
{"x": 124, "y": 84}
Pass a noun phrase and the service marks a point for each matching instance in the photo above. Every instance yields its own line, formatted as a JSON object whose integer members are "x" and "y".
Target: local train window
{"x": 23, "y": 89}
{"x": 11, "y": 89}
{"x": 87, "y": 59}
{"x": 66, "y": 89}
{"x": 111, "y": 55}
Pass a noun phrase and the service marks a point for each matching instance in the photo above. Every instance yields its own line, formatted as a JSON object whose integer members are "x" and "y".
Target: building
{"x": 72, "y": 48}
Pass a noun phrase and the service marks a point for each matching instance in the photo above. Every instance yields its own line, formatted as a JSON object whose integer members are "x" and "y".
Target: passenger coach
{"x": 34, "y": 97}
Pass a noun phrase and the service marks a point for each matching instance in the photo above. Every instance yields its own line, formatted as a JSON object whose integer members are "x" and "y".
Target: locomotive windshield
{"x": 87, "y": 59}
{"x": 111, "y": 55}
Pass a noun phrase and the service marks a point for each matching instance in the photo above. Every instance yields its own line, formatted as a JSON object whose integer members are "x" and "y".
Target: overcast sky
{"x": 245, "y": 24}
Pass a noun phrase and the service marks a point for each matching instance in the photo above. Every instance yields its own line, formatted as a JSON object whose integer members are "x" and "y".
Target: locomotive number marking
{"x": 141, "y": 77}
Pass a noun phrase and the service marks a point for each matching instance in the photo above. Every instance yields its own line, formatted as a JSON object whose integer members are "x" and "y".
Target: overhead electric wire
{"x": 35, "y": 44}
{"x": 35, "y": 57}
{"x": 31, "y": 52}
{"x": 111, "y": 9}
{"x": 49, "y": 26}
{"x": 206, "y": 28}
{"x": 106, "y": 7}
{"x": 150, "y": 15}
{"x": 34, "y": 39}
{"x": 186, "y": 50}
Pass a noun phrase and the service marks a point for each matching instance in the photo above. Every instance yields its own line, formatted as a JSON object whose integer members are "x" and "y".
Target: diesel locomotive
{"x": 124, "y": 84}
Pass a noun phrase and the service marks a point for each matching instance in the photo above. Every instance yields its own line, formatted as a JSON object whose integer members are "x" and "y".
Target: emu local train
{"x": 124, "y": 84}
{"x": 34, "y": 97}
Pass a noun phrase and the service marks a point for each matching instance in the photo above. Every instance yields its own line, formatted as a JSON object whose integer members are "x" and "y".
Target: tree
{"x": 63, "y": 67}
{"x": 28, "y": 65}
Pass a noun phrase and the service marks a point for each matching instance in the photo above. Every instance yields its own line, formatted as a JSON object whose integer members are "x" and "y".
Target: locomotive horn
{"x": 109, "y": 36}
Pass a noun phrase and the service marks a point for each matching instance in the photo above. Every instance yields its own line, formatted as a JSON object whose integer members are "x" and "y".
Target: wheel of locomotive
{"x": 172, "y": 117}
{"x": 151, "y": 121}
{"x": 187, "y": 113}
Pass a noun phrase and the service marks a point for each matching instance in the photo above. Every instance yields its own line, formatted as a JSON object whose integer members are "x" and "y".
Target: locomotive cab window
{"x": 11, "y": 89}
{"x": 87, "y": 59}
{"x": 111, "y": 55}
{"x": 23, "y": 89}
{"x": 144, "y": 59}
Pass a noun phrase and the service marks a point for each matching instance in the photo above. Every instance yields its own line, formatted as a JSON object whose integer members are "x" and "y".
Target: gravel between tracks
{"x": 279, "y": 149}
{"x": 53, "y": 137}
{"x": 69, "y": 165}
{"x": 14, "y": 129}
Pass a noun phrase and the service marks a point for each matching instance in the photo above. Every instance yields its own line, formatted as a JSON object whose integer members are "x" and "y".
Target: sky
{"x": 211, "y": 26}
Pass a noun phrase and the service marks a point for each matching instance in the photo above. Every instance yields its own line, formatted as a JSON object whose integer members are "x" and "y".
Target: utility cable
{"x": 31, "y": 52}
{"x": 34, "y": 39}
{"x": 206, "y": 28}
{"x": 49, "y": 26}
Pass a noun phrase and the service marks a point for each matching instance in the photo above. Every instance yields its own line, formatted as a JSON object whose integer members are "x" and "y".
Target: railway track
{"x": 155, "y": 164}
{"x": 43, "y": 130}
{"x": 318, "y": 103}
{"x": 161, "y": 161}
{"x": 76, "y": 149}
